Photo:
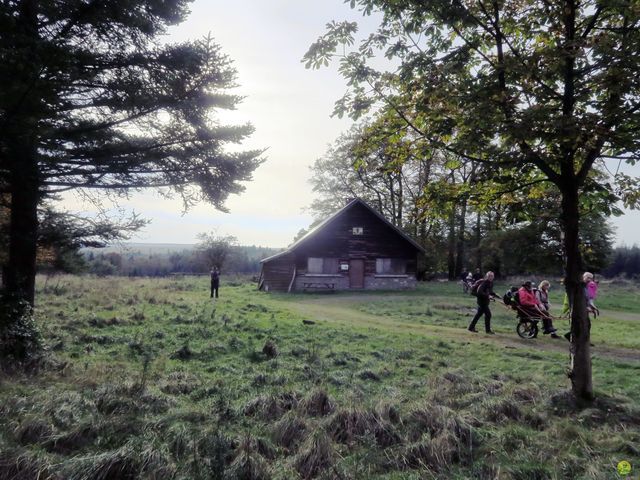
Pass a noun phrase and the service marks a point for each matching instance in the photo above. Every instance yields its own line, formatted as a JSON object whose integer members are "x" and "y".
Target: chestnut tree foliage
{"x": 91, "y": 99}
{"x": 536, "y": 91}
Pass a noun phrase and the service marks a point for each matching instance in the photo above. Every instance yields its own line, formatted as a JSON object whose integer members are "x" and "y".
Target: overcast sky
{"x": 290, "y": 108}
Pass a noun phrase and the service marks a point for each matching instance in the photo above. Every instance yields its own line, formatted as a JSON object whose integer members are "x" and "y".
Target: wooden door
{"x": 356, "y": 273}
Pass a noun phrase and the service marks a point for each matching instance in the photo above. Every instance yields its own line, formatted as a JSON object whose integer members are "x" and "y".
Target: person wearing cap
{"x": 485, "y": 292}
{"x": 530, "y": 305}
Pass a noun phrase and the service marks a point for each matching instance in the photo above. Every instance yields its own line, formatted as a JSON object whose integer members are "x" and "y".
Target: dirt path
{"x": 340, "y": 310}
{"x": 626, "y": 316}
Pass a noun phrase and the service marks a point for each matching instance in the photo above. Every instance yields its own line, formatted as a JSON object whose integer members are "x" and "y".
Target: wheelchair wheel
{"x": 527, "y": 329}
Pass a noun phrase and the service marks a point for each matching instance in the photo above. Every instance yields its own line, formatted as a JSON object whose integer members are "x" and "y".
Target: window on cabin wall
{"x": 391, "y": 266}
{"x": 322, "y": 265}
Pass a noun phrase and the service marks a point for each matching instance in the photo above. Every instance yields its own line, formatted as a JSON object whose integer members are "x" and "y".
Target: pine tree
{"x": 90, "y": 99}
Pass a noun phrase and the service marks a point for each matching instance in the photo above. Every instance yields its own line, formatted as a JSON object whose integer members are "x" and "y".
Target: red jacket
{"x": 527, "y": 297}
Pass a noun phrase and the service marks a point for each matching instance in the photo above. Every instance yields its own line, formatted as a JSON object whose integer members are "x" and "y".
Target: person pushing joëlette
{"x": 483, "y": 296}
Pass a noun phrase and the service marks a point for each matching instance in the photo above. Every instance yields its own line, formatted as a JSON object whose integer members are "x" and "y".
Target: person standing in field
{"x": 215, "y": 282}
{"x": 484, "y": 293}
{"x": 591, "y": 292}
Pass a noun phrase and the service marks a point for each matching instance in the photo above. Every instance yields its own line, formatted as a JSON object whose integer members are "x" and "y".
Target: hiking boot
{"x": 490, "y": 332}
{"x": 472, "y": 330}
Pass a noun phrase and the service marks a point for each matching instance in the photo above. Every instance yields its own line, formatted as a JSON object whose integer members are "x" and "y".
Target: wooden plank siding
{"x": 277, "y": 274}
{"x": 335, "y": 239}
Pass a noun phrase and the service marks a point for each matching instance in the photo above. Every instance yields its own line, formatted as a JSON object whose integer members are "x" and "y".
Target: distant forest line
{"x": 147, "y": 260}
{"x": 161, "y": 260}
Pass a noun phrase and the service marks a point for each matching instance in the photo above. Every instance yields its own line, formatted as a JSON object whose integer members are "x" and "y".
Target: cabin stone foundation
{"x": 383, "y": 282}
{"x": 310, "y": 282}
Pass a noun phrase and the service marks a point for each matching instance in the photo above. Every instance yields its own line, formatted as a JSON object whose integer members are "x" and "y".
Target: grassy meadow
{"x": 150, "y": 378}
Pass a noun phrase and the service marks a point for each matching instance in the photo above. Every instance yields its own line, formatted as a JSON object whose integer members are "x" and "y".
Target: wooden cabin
{"x": 354, "y": 249}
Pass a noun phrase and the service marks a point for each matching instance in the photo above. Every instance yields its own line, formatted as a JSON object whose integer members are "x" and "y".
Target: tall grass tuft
{"x": 132, "y": 461}
{"x": 215, "y": 453}
{"x": 270, "y": 349}
{"x": 437, "y": 453}
{"x": 316, "y": 456}
{"x": 443, "y": 426}
{"x": 21, "y": 464}
{"x": 248, "y": 463}
{"x": 430, "y": 418}
{"x": 356, "y": 424}
{"x": 318, "y": 404}
{"x": 271, "y": 407}
{"x": 389, "y": 412}
{"x": 289, "y": 431}
{"x": 33, "y": 431}
{"x": 502, "y": 409}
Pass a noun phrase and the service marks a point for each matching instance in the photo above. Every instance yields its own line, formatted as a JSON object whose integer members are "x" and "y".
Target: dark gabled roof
{"x": 332, "y": 218}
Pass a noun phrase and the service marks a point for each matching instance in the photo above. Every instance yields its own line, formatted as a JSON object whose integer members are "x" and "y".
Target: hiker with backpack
{"x": 483, "y": 291}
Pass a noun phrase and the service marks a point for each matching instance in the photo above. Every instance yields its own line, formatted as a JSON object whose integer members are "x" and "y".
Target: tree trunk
{"x": 462, "y": 226}
{"x": 400, "y": 212}
{"x": 580, "y": 368}
{"x": 392, "y": 200}
{"x": 20, "y": 273}
{"x": 478, "y": 240}
{"x": 451, "y": 256}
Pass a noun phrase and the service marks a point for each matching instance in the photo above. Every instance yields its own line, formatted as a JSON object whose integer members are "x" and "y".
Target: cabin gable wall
{"x": 337, "y": 243}
{"x": 376, "y": 240}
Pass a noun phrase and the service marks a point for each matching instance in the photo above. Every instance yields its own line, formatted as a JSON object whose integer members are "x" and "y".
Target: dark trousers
{"x": 547, "y": 323}
{"x": 214, "y": 290}
{"x": 483, "y": 309}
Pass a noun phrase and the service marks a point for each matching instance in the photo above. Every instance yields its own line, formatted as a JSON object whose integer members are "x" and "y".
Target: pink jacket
{"x": 592, "y": 290}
